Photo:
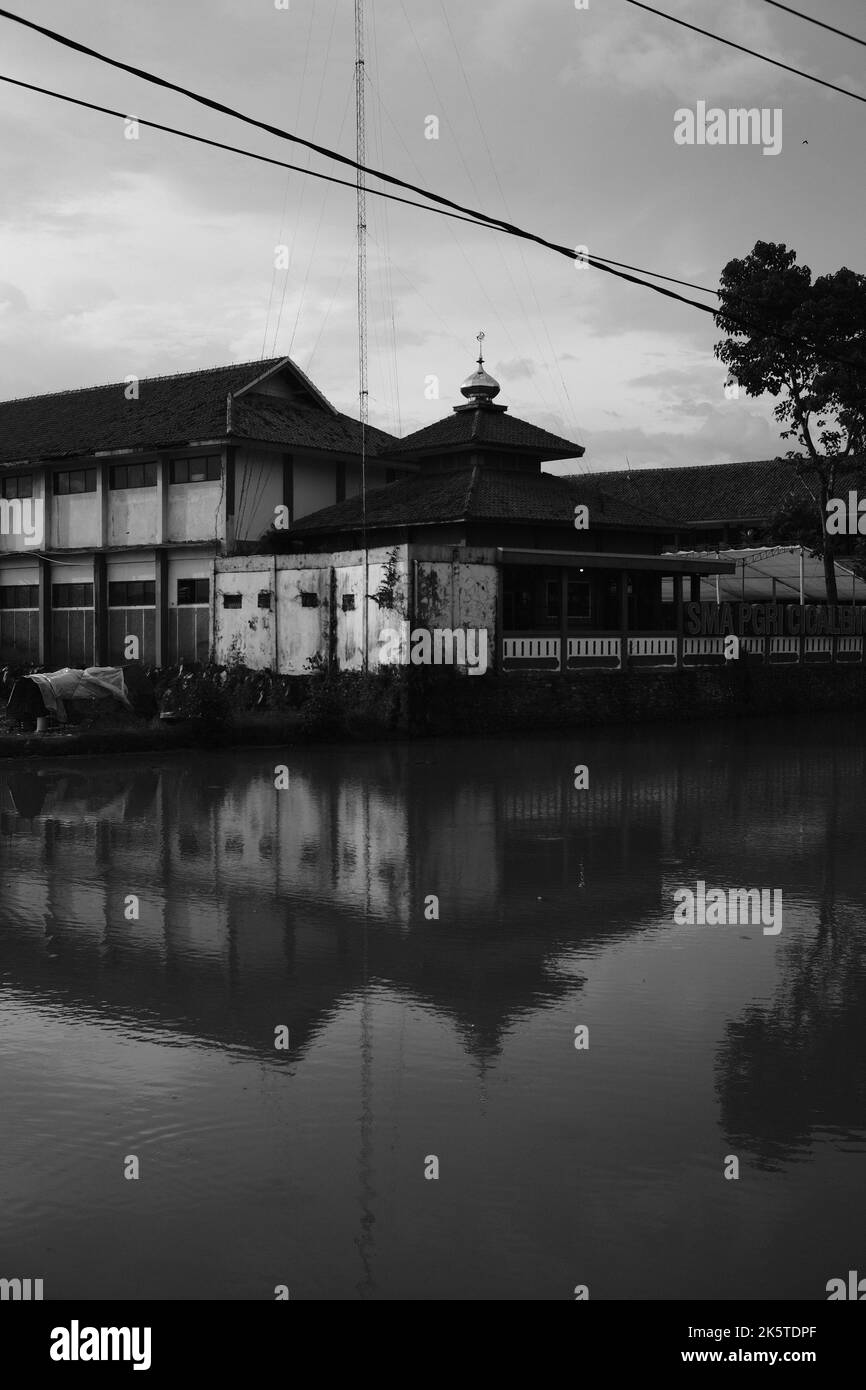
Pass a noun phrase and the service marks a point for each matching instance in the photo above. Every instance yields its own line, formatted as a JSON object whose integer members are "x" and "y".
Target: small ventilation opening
{"x": 232, "y": 600}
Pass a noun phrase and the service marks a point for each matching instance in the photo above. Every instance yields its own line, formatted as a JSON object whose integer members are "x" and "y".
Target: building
{"x": 217, "y": 515}
{"x": 477, "y": 537}
{"x": 115, "y": 500}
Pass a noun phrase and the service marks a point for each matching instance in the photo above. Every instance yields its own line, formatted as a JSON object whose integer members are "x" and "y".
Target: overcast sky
{"x": 156, "y": 256}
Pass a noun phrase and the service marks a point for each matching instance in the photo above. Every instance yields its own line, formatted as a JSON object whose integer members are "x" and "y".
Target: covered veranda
{"x": 565, "y": 612}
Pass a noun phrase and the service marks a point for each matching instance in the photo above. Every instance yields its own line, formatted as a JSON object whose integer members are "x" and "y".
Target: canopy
{"x": 782, "y": 573}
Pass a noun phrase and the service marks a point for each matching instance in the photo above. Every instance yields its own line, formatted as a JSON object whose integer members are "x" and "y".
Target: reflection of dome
{"x": 480, "y": 386}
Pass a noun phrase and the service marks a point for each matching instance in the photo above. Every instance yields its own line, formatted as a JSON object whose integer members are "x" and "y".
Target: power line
{"x": 810, "y": 19}
{"x": 751, "y": 51}
{"x": 599, "y": 263}
{"x": 471, "y": 213}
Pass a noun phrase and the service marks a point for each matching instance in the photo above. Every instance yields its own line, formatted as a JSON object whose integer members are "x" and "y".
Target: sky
{"x": 151, "y": 256}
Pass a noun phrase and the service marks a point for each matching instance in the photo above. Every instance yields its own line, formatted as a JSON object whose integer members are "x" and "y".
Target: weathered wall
{"x": 302, "y": 628}
{"x": 456, "y": 594}
{"x": 133, "y": 516}
{"x": 245, "y": 636}
{"x": 450, "y": 594}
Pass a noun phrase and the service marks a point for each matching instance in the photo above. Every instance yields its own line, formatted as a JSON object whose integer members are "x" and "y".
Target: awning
{"x": 781, "y": 573}
{"x": 683, "y": 562}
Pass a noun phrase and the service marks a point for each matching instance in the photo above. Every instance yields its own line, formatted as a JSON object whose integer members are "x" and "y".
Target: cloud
{"x": 514, "y": 369}
{"x": 635, "y": 52}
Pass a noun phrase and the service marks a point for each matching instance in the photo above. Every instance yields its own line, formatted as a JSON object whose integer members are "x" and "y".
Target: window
{"x": 132, "y": 593}
{"x": 19, "y": 596}
{"x": 391, "y": 475}
{"x": 205, "y": 469}
{"x": 78, "y": 480}
{"x": 348, "y": 603}
{"x": 232, "y": 601}
{"x": 193, "y": 591}
{"x": 72, "y": 595}
{"x": 123, "y": 475}
{"x": 579, "y": 604}
{"x": 341, "y": 483}
{"x": 18, "y": 486}
{"x": 309, "y": 600}
{"x": 264, "y": 598}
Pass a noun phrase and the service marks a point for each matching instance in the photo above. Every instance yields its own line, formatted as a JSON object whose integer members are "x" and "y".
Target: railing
{"x": 532, "y": 651}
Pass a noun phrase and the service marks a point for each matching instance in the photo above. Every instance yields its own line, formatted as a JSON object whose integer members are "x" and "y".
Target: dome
{"x": 480, "y": 386}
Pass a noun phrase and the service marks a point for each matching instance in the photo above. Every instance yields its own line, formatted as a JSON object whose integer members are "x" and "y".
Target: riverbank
{"x": 220, "y": 709}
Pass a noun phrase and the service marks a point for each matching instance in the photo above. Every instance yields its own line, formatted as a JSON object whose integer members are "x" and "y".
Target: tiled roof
{"x": 731, "y": 492}
{"x": 173, "y": 410}
{"x": 272, "y": 421}
{"x": 465, "y": 428}
{"x": 169, "y": 410}
{"x": 469, "y": 493}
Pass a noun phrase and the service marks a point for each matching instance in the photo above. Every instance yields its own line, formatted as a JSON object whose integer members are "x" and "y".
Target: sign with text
{"x": 774, "y": 620}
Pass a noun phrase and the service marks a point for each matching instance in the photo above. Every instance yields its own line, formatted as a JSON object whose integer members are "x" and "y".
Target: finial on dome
{"x": 480, "y": 386}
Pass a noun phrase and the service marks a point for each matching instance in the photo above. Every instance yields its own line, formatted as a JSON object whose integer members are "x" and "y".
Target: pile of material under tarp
{"x": 50, "y": 692}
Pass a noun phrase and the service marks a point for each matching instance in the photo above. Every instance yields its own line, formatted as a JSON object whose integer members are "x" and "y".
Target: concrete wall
{"x": 302, "y": 631}
{"x": 451, "y": 594}
{"x": 133, "y": 516}
{"x": 193, "y": 511}
{"x": 74, "y": 521}
{"x": 458, "y": 593}
{"x": 315, "y": 484}
{"x": 258, "y": 491}
{"x": 246, "y": 635}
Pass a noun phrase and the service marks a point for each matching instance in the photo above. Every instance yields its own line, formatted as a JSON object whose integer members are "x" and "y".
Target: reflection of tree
{"x": 798, "y": 1065}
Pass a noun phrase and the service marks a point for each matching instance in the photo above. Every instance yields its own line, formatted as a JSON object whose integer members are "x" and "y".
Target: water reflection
{"x": 308, "y": 907}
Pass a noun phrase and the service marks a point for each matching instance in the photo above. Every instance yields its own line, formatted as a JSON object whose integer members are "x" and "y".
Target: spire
{"x": 480, "y": 388}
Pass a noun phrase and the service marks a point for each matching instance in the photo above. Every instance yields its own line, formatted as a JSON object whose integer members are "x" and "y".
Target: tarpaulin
{"x": 94, "y": 683}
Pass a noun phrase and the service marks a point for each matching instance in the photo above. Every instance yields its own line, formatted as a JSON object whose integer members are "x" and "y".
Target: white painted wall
{"x": 133, "y": 515}
{"x": 301, "y": 632}
{"x": 193, "y": 511}
{"x": 75, "y": 521}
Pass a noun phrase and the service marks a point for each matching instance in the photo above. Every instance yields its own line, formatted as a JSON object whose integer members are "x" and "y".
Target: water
{"x": 412, "y": 1037}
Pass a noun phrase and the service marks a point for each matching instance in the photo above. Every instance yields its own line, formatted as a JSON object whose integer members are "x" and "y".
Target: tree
{"x": 805, "y": 342}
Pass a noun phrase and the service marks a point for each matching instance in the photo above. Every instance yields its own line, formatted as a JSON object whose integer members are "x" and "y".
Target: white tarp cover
{"x": 95, "y": 683}
{"x": 773, "y": 572}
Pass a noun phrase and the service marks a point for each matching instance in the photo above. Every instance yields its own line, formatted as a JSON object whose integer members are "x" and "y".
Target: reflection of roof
{"x": 470, "y": 493}
{"x": 757, "y": 570}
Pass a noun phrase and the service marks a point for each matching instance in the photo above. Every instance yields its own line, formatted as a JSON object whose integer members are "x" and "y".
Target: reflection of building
{"x": 259, "y": 905}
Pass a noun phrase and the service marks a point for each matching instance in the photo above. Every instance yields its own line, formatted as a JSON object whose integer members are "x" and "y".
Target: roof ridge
{"x": 470, "y": 488}
{"x": 263, "y": 364}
